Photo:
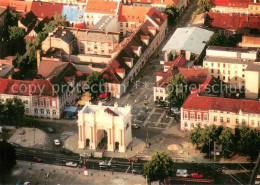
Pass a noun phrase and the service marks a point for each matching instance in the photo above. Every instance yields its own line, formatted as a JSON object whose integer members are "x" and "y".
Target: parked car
{"x": 66, "y": 151}
{"x": 197, "y": 175}
{"x": 135, "y": 125}
{"x": 71, "y": 163}
{"x": 133, "y": 159}
{"x": 56, "y": 142}
{"x": 104, "y": 164}
{"x": 182, "y": 173}
{"x": 86, "y": 155}
{"x": 37, "y": 159}
{"x": 27, "y": 183}
{"x": 15, "y": 145}
{"x": 136, "y": 171}
{"x": 49, "y": 129}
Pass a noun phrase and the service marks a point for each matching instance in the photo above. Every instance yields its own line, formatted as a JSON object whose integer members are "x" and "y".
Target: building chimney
{"x": 38, "y": 52}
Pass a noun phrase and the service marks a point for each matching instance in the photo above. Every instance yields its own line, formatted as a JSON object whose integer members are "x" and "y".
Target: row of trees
{"x": 12, "y": 110}
{"x": 244, "y": 141}
{"x": 218, "y": 39}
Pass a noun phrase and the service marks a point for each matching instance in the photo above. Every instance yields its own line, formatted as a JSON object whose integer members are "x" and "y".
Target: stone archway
{"x": 102, "y": 139}
{"x": 87, "y": 143}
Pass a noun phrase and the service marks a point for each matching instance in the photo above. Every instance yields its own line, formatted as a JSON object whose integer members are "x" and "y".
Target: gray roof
{"x": 103, "y": 22}
{"x": 83, "y": 68}
{"x": 228, "y": 60}
{"x": 191, "y": 39}
{"x": 5, "y": 70}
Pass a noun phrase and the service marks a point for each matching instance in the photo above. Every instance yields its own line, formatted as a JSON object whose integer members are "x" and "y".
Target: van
{"x": 182, "y": 173}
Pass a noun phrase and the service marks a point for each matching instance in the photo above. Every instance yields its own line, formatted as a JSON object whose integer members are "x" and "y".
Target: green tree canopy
{"x": 227, "y": 139}
{"x": 204, "y": 6}
{"x": 218, "y": 39}
{"x": 173, "y": 13}
{"x": 7, "y": 159}
{"x": 13, "y": 109}
{"x": 58, "y": 20}
{"x": 16, "y": 33}
{"x": 195, "y": 136}
{"x": 177, "y": 90}
{"x": 248, "y": 141}
{"x": 95, "y": 83}
{"x": 159, "y": 167}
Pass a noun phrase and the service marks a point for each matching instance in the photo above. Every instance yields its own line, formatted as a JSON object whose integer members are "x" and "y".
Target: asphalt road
{"x": 211, "y": 171}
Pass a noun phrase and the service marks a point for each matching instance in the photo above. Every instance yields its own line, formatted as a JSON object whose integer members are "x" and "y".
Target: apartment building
{"x": 132, "y": 53}
{"x": 234, "y": 66}
{"x": 214, "y": 110}
{"x": 96, "y": 9}
{"x": 82, "y": 41}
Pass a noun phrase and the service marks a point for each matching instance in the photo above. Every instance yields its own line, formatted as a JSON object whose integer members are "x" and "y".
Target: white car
{"x": 104, "y": 164}
{"x": 70, "y": 163}
{"x": 27, "y": 183}
{"x": 56, "y": 142}
{"x": 182, "y": 173}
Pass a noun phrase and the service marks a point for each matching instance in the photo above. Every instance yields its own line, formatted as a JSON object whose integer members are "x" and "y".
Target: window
{"x": 228, "y": 72}
{"x": 127, "y": 125}
{"x": 126, "y": 25}
{"x": 237, "y": 121}
{"x": 218, "y": 71}
{"x": 212, "y": 70}
{"x": 215, "y": 118}
{"x": 221, "y": 119}
{"x": 185, "y": 124}
{"x": 252, "y": 122}
{"x": 224, "y": 78}
{"x": 48, "y": 112}
{"x": 243, "y": 76}
{"x": 228, "y": 120}
{"x": 243, "y": 122}
{"x": 258, "y": 123}
{"x": 235, "y": 78}
{"x": 192, "y": 116}
{"x": 161, "y": 90}
{"x": 199, "y": 117}
{"x": 26, "y": 110}
{"x": 36, "y": 111}
{"x": 218, "y": 64}
{"x": 54, "y": 112}
{"x": 35, "y": 102}
{"x": 224, "y": 65}
{"x": 192, "y": 125}
{"x": 185, "y": 115}
{"x": 42, "y": 111}
{"x": 212, "y": 64}
{"x": 223, "y": 71}
{"x": 26, "y": 102}
{"x": 41, "y": 102}
{"x": 205, "y": 117}
{"x": 47, "y": 103}
{"x": 121, "y": 24}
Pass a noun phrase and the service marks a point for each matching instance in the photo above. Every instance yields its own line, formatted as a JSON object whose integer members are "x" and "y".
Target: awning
{"x": 86, "y": 98}
{"x": 82, "y": 102}
{"x": 70, "y": 109}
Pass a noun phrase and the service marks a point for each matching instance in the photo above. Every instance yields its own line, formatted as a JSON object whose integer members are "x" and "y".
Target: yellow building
{"x": 235, "y": 66}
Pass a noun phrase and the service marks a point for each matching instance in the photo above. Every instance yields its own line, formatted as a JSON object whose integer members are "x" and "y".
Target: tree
{"x": 159, "y": 167}
{"x": 218, "y": 39}
{"x": 16, "y": 33}
{"x": 31, "y": 48}
{"x": 227, "y": 139}
{"x": 204, "y": 6}
{"x": 95, "y": 83}
{"x": 195, "y": 136}
{"x": 248, "y": 141}
{"x": 13, "y": 109}
{"x": 177, "y": 90}
{"x": 58, "y": 20}
{"x": 7, "y": 159}
{"x": 173, "y": 13}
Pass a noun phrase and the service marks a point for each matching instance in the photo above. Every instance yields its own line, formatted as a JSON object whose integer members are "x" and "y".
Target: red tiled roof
{"x": 178, "y": 62}
{"x": 49, "y": 67}
{"x": 233, "y": 21}
{"x": 101, "y": 6}
{"x": 120, "y": 70}
{"x": 26, "y": 88}
{"x": 194, "y": 74}
{"x": 160, "y": 74}
{"x": 44, "y": 9}
{"x": 161, "y": 2}
{"x": 196, "y": 102}
{"x": 19, "y": 6}
{"x": 232, "y": 3}
{"x": 132, "y": 13}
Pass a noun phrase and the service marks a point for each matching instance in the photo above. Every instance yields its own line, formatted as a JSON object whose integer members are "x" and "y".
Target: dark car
{"x": 133, "y": 159}
{"x": 37, "y": 159}
{"x": 66, "y": 151}
{"x": 15, "y": 145}
{"x": 49, "y": 129}
{"x": 136, "y": 171}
